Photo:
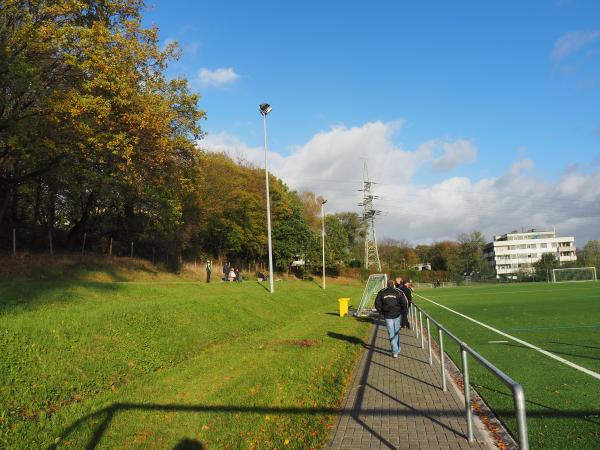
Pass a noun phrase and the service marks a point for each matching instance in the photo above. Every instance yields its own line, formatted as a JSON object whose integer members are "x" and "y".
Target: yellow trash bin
{"x": 343, "y": 306}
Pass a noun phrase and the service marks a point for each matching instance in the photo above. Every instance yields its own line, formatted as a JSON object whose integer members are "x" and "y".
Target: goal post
{"x": 574, "y": 274}
{"x": 375, "y": 283}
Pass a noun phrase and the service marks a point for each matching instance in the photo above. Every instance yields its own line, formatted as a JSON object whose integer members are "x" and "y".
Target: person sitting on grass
{"x": 231, "y": 275}
{"x": 238, "y": 275}
{"x": 391, "y": 303}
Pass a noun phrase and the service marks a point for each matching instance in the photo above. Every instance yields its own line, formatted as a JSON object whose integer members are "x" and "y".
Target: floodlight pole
{"x": 264, "y": 114}
{"x": 323, "y": 237}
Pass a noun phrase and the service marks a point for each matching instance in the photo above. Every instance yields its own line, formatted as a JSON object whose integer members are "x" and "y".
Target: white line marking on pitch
{"x": 520, "y": 341}
{"x": 497, "y": 342}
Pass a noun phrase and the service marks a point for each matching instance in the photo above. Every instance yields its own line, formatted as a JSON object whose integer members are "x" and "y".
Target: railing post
{"x": 519, "y": 398}
{"x": 429, "y": 342}
{"x": 421, "y": 328}
{"x": 442, "y": 365}
{"x": 467, "y": 386}
{"x": 416, "y": 324}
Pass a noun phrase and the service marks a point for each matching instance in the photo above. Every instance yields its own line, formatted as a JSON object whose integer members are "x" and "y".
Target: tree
{"x": 545, "y": 265}
{"x": 355, "y": 229}
{"x": 336, "y": 242}
{"x": 311, "y": 208}
{"x": 470, "y": 259}
{"x": 591, "y": 254}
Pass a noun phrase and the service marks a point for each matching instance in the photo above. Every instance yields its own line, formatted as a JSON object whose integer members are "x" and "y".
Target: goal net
{"x": 574, "y": 274}
{"x": 375, "y": 283}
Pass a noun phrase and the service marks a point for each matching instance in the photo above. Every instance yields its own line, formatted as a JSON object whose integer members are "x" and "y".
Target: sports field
{"x": 563, "y": 403}
{"x": 172, "y": 365}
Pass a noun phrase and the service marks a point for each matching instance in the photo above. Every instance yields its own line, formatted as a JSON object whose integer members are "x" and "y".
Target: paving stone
{"x": 398, "y": 402}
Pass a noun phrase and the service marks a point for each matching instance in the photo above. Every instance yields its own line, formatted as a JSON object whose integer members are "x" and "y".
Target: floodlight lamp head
{"x": 265, "y": 109}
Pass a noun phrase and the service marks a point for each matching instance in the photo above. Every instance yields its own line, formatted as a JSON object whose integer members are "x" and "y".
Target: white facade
{"x": 515, "y": 251}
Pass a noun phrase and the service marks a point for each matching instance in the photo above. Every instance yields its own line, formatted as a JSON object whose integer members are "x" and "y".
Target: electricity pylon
{"x": 368, "y": 216}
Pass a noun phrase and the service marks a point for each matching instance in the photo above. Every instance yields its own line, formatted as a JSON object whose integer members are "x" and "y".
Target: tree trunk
{"x": 78, "y": 229}
{"x": 5, "y": 203}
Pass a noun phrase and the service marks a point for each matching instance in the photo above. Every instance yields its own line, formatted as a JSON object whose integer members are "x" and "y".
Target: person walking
{"x": 407, "y": 291}
{"x": 391, "y": 303}
{"x": 208, "y": 270}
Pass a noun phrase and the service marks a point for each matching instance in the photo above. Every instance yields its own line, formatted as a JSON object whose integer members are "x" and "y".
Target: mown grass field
{"x": 563, "y": 404}
{"x": 167, "y": 364}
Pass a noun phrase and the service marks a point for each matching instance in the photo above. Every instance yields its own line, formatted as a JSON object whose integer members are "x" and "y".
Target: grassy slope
{"x": 562, "y": 403}
{"x": 98, "y": 362}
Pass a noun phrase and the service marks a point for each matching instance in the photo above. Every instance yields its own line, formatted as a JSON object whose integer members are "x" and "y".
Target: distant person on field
{"x": 231, "y": 274}
{"x": 225, "y": 271}
{"x": 391, "y": 304}
{"x": 208, "y": 270}
{"x": 238, "y": 275}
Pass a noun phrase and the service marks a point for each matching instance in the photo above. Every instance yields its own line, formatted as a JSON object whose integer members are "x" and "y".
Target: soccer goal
{"x": 574, "y": 274}
{"x": 375, "y": 283}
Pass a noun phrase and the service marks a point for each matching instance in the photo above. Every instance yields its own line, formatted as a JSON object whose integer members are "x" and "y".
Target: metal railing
{"x": 517, "y": 390}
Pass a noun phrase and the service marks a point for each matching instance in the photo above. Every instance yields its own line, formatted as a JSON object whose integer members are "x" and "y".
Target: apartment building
{"x": 515, "y": 251}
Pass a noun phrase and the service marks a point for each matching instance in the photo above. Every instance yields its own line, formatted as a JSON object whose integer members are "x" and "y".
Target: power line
{"x": 368, "y": 216}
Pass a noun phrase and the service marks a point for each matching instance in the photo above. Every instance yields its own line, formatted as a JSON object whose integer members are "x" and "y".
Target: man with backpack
{"x": 391, "y": 303}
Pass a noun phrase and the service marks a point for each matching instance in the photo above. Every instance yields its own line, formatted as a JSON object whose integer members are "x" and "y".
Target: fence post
{"x": 131, "y": 254}
{"x": 83, "y": 246}
{"x": 416, "y": 323}
{"x": 429, "y": 342}
{"x": 50, "y": 240}
{"x": 442, "y": 362}
{"x": 467, "y": 387}
{"x": 14, "y": 242}
{"x": 110, "y": 247}
{"x": 519, "y": 398}
{"x": 421, "y": 329}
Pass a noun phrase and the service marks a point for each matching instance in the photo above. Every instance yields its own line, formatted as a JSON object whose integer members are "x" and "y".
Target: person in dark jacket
{"x": 391, "y": 303}
{"x": 208, "y": 270}
{"x": 403, "y": 286}
{"x": 226, "y": 271}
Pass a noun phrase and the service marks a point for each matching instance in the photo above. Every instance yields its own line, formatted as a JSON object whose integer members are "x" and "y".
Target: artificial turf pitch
{"x": 563, "y": 404}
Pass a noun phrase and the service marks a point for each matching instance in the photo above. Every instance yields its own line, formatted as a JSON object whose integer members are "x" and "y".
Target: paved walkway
{"x": 398, "y": 402}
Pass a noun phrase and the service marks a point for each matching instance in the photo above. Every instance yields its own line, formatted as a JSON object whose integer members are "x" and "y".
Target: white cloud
{"x": 521, "y": 165}
{"x": 572, "y": 41}
{"x": 238, "y": 151}
{"x": 330, "y": 164}
{"x": 454, "y": 154}
{"x": 218, "y": 77}
{"x": 191, "y": 48}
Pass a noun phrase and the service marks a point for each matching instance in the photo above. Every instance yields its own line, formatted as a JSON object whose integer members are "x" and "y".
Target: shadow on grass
{"x": 189, "y": 444}
{"x": 33, "y": 294}
{"x": 549, "y": 411}
{"x": 263, "y": 286}
{"x": 576, "y": 355}
{"x": 344, "y": 337}
{"x": 574, "y": 345}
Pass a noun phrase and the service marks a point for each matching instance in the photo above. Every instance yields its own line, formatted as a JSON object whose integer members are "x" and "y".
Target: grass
{"x": 563, "y": 404}
{"x": 126, "y": 365}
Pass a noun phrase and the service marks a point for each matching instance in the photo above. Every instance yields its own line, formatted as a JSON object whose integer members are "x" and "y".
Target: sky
{"x": 471, "y": 115}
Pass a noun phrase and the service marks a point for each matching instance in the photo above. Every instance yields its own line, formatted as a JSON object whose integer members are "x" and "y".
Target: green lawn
{"x": 121, "y": 365}
{"x": 563, "y": 404}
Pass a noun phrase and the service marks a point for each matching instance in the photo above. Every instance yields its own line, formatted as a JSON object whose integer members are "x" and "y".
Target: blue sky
{"x": 502, "y": 83}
